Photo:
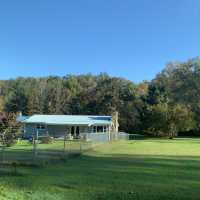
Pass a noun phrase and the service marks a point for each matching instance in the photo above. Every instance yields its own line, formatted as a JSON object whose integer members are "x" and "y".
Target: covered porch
{"x": 74, "y": 131}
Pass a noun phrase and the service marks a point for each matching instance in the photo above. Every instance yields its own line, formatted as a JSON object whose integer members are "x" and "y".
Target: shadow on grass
{"x": 143, "y": 176}
{"x": 139, "y": 163}
{"x": 174, "y": 140}
{"x": 26, "y": 158}
{"x": 116, "y": 177}
{"x": 7, "y": 171}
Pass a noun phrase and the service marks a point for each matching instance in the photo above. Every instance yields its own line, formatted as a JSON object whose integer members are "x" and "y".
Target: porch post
{"x": 75, "y": 131}
{"x": 65, "y": 138}
{"x": 70, "y": 135}
{"x": 109, "y": 135}
{"x": 47, "y": 132}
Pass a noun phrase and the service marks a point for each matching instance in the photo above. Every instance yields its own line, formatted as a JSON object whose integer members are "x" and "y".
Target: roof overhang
{"x": 67, "y": 120}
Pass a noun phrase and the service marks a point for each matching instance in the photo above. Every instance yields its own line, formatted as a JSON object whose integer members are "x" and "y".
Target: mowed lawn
{"x": 141, "y": 170}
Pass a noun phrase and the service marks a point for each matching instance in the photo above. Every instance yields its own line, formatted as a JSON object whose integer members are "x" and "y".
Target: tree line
{"x": 165, "y": 106}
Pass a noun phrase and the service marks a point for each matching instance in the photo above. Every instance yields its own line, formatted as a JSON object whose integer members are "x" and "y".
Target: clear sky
{"x": 133, "y": 39}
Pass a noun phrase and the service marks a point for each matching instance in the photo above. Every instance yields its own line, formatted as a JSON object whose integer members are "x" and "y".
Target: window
{"x": 99, "y": 129}
{"x": 94, "y": 129}
{"x": 77, "y": 131}
{"x": 41, "y": 127}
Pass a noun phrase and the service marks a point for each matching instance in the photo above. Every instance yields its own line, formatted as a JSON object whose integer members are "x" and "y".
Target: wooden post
{"x": 47, "y": 132}
{"x": 3, "y": 147}
{"x": 69, "y": 150}
{"x": 75, "y": 131}
{"x": 80, "y": 146}
{"x": 2, "y": 154}
{"x": 35, "y": 139}
{"x": 109, "y": 135}
{"x": 64, "y": 143}
{"x": 68, "y": 131}
{"x": 24, "y": 130}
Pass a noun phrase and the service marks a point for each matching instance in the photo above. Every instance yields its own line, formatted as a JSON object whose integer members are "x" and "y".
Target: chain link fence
{"x": 46, "y": 149}
{"x": 28, "y": 152}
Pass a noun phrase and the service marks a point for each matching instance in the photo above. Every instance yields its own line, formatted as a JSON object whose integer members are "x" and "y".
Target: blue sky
{"x": 133, "y": 39}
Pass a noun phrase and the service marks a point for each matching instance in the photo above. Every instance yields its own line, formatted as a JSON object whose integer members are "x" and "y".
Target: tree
{"x": 178, "y": 84}
{"x": 9, "y": 129}
{"x": 167, "y": 120}
{"x": 16, "y": 96}
{"x": 182, "y": 85}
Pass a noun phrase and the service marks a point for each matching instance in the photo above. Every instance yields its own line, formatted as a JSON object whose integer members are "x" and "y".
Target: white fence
{"x": 105, "y": 137}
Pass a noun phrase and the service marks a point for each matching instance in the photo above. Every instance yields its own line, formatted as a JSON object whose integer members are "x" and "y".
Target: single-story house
{"x": 72, "y": 126}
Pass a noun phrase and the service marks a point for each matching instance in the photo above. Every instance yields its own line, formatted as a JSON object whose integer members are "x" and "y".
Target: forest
{"x": 168, "y": 105}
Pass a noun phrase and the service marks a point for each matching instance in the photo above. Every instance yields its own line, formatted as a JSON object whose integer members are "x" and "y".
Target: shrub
{"x": 46, "y": 140}
{"x": 10, "y": 143}
{"x": 9, "y": 139}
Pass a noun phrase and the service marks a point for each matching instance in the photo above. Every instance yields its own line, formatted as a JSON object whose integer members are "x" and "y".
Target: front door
{"x": 77, "y": 131}
{"x": 72, "y": 131}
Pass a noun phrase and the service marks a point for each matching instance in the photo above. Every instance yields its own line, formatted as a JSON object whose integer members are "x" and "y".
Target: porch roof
{"x": 69, "y": 119}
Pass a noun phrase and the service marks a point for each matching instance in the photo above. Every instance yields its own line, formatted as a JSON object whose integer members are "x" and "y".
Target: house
{"x": 72, "y": 126}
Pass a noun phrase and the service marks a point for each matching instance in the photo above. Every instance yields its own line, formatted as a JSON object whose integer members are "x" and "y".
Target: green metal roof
{"x": 69, "y": 119}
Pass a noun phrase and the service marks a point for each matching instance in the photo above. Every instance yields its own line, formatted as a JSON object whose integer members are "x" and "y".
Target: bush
{"x": 136, "y": 137}
{"x": 46, "y": 140}
{"x": 10, "y": 143}
{"x": 9, "y": 139}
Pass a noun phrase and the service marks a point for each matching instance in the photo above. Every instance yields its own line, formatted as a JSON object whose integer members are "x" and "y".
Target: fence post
{"x": 80, "y": 146}
{"x": 2, "y": 155}
{"x": 3, "y": 148}
{"x": 35, "y": 139}
{"x": 64, "y": 144}
{"x": 70, "y": 144}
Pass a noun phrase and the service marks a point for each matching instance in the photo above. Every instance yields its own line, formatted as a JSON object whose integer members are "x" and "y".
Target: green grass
{"x": 23, "y": 151}
{"x": 56, "y": 145}
{"x": 141, "y": 170}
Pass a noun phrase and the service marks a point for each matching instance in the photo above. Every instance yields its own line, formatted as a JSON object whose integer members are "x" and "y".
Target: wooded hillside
{"x": 165, "y": 106}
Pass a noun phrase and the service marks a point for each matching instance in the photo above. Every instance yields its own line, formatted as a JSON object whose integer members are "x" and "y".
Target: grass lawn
{"x": 141, "y": 170}
{"x": 23, "y": 151}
